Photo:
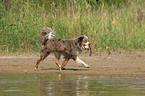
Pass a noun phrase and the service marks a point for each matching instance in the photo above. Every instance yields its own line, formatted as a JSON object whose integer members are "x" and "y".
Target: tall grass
{"x": 110, "y": 26}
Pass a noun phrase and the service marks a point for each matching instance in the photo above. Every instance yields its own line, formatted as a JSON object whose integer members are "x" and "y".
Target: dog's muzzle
{"x": 87, "y": 46}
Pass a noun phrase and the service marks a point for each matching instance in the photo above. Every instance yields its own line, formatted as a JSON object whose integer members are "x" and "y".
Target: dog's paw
{"x": 36, "y": 68}
{"x": 60, "y": 67}
{"x": 87, "y": 66}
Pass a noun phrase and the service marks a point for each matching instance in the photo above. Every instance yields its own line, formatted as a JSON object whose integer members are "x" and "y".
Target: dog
{"x": 69, "y": 48}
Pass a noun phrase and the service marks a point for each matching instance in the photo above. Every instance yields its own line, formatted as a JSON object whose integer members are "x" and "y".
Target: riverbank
{"x": 124, "y": 63}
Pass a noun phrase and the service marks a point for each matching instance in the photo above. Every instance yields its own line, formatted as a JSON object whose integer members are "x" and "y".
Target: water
{"x": 70, "y": 85}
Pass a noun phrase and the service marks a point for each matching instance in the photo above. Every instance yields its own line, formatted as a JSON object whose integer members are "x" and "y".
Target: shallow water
{"x": 70, "y": 85}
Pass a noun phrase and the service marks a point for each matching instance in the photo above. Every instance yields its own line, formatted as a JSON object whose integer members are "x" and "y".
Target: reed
{"x": 110, "y": 25}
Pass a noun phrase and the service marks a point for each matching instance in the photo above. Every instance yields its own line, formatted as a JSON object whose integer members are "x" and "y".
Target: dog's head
{"x": 83, "y": 43}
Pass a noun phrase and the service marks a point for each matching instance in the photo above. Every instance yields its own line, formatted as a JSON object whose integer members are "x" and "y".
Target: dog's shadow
{"x": 73, "y": 69}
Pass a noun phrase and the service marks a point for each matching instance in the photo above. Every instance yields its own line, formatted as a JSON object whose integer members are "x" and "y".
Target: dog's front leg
{"x": 78, "y": 60}
{"x": 57, "y": 55}
{"x": 57, "y": 63}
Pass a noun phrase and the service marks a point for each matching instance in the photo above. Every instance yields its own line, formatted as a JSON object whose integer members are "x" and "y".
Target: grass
{"x": 110, "y": 26}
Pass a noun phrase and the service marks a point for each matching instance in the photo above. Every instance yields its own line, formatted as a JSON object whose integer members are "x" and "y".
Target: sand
{"x": 124, "y": 63}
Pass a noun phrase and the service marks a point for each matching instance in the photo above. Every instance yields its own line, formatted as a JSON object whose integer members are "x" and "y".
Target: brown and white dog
{"x": 69, "y": 48}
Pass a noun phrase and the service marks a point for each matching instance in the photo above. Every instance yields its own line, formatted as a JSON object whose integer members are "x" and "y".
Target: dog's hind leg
{"x": 43, "y": 55}
{"x": 63, "y": 64}
{"x": 57, "y": 55}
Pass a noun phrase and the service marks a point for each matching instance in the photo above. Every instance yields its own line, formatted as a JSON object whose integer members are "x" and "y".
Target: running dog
{"x": 69, "y": 48}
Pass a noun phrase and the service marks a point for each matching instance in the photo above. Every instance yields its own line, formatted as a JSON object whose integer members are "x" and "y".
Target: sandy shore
{"x": 124, "y": 63}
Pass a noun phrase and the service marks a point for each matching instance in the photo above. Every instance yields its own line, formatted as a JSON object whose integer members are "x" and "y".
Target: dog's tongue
{"x": 90, "y": 50}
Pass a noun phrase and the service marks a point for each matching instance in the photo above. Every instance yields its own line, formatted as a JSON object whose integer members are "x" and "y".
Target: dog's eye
{"x": 85, "y": 41}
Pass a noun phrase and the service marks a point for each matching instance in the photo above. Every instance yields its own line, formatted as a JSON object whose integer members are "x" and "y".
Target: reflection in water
{"x": 80, "y": 85}
{"x": 69, "y": 85}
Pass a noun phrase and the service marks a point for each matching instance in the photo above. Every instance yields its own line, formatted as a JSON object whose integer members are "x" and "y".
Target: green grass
{"x": 110, "y": 25}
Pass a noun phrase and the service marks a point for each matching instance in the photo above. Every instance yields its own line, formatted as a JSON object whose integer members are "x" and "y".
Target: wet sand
{"x": 124, "y": 63}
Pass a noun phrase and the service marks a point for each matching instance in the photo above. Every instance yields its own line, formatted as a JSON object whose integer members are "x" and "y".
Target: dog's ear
{"x": 79, "y": 42}
{"x": 80, "y": 39}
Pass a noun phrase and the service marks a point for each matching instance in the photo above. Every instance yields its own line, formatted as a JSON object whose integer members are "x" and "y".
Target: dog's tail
{"x": 45, "y": 34}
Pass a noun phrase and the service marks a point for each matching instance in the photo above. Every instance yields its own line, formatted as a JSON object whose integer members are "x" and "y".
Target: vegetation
{"x": 111, "y": 25}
